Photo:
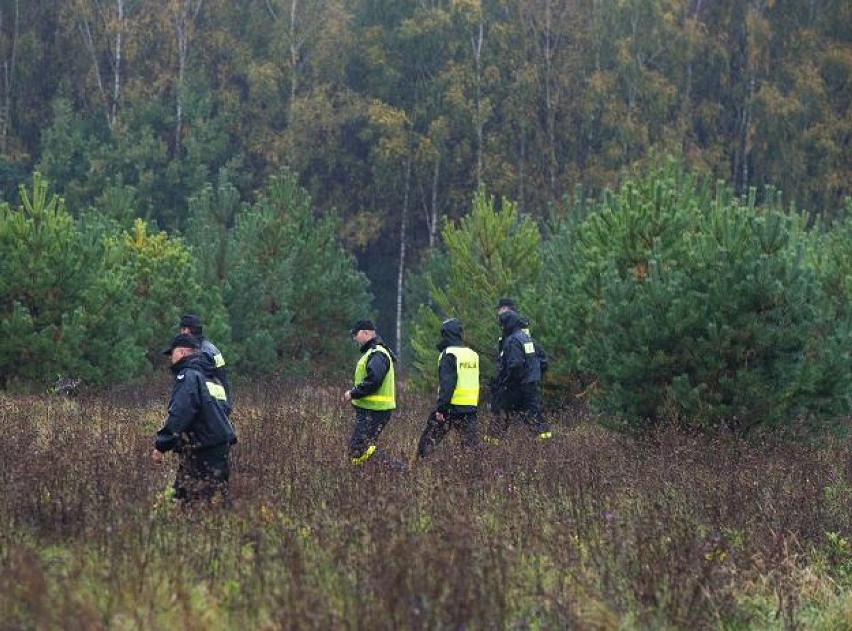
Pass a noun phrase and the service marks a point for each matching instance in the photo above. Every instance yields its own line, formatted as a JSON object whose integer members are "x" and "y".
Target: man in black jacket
{"x": 519, "y": 372}
{"x": 507, "y": 304}
{"x": 197, "y": 428}
{"x": 458, "y": 391}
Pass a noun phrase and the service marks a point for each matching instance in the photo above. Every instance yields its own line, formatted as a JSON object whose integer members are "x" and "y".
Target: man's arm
{"x": 514, "y": 362}
{"x": 542, "y": 358}
{"x": 447, "y": 377}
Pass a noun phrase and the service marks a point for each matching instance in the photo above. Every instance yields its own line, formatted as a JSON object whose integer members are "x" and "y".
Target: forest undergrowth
{"x": 590, "y": 530}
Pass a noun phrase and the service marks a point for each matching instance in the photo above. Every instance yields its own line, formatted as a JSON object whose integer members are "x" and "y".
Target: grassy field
{"x": 591, "y": 530}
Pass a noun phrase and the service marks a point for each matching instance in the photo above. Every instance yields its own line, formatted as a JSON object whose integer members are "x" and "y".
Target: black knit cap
{"x": 452, "y": 326}
{"x": 362, "y": 325}
{"x": 191, "y": 322}
{"x": 182, "y": 340}
{"x": 506, "y": 302}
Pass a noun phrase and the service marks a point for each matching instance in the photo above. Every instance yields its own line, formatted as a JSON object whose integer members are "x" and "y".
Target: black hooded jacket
{"x": 539, "y": 351}
{"x": 519, "y": 362}
{"x": 451, "y": 335}
{"x": 377, "y": 367}
{"x": 197, "y": 419}
{"x": 209, "y": 349}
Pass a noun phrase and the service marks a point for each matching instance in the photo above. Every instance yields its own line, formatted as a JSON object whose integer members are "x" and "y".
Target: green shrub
{"x": 83, "y": 299}
{"x": 291, "y": 289}
{"x": 491, "y": 253}
{"x": 698, "y": 307}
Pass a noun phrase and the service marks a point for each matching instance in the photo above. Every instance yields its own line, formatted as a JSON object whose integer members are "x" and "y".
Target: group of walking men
{"x": 514, "y": 390}
{"x": 198, "y": 427}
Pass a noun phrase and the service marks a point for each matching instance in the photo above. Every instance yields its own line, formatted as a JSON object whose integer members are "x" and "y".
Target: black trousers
{"x": 203, "y": 475}
{"x": 435, "y": 432}
{"x": 368, "y": 425}
{"x": 517, "y": 403}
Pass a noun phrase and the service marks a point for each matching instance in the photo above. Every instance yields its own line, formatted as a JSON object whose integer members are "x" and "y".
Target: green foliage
{"x": 12, "y": 175}
{"x": 678, "y": 532}
{"x": 162, "y": 275}
{"x": 129, "y": 170}
{"x": 829, "y": 382}
{"x": 492, "y": 252}
{"x": 546, "y": 302}
{"x": 65, "y": 145}
{"x": 433, "y": 270}
{"x": 291, "y": 289}
{"x": 84, "y": 299}
{"x": 211, "y": 217}
{"x": 62, "y": 308}
{"x": 699, "y": 308}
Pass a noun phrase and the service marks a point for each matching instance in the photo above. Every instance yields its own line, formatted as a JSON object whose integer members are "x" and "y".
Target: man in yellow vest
{"x": 374, "y": 394}
{"x": 458, "y": 391}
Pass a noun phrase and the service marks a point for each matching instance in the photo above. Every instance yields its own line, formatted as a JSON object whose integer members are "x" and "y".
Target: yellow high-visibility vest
{"x": 385, "y": 397}
{"x": 467, "y": 375}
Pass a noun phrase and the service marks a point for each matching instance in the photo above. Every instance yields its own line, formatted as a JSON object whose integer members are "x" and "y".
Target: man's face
{"x": 503, "y": 309}
{"x": 178, "y": 353}
{"x": 361, "y": 337}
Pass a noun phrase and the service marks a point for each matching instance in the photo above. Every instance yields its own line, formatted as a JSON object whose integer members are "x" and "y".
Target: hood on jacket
{"x": 451, "y": 334}
{"x": 205, "y": 364}
{"x": 510, "y": 322}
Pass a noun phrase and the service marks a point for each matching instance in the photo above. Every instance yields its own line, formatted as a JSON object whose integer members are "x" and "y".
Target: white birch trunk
{"x": 400, "y": 277}
{"x": 432, "y": 222}
{"x": 294, "y": 53}
{"x": 185, "y": 16}
{"x": 116, "y": 69}
{"x": 86, "y": 31}
{"x": 476, "y": 43}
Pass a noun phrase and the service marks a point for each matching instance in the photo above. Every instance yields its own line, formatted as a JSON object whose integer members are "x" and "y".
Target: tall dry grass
{"x": 591, "y": 530}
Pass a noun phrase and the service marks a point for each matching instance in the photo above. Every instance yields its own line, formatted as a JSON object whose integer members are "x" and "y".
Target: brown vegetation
{"x": 592, "y": 530}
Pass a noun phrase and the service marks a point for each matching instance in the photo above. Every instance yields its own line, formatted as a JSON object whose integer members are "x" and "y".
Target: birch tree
{"x": 102, "y": 25}
{"x": 185, "y": 15}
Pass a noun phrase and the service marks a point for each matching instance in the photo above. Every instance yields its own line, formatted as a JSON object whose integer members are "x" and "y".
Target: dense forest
{"x": 173, "y": 126}
{"x": 394, "y": 111}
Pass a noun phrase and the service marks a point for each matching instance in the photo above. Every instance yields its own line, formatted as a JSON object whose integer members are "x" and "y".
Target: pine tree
{"x": 697, "y": 307}
{"x": 291, "y": 289}
{"x": 65, "y": 307}
{"x": 163, "y": 278}
{"x": 491, "y": 253}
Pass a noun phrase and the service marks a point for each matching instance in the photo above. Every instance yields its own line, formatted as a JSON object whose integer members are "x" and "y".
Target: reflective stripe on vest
{"x": 216, "y": 391}
{"x": 385, "y": 397}
{"x": 467, "y": 376}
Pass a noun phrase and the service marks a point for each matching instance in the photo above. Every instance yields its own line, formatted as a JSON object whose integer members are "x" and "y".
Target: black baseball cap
{"x": 362, "y": 325}
{"x": 182, "y": 340}
{"x": 191, "y": 322}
